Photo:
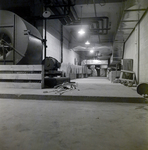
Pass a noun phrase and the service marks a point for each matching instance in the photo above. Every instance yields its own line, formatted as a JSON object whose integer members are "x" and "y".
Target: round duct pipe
{"x": 20, "y": 42}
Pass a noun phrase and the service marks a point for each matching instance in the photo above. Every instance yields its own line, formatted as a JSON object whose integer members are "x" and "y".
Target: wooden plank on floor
{"x": 20, "y": 85}
{"x": 20, "y": 67}
{"x": 18, "y": 76}
{"x": 22, "y": 76}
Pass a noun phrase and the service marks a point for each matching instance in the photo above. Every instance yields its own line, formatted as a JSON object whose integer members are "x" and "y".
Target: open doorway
{"x": 98, "y": 70}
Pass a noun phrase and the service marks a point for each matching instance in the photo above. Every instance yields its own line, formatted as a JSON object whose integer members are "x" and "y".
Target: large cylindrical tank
{"x": 20, "y": 42}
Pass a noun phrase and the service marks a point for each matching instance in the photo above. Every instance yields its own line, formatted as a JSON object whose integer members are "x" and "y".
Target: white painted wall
{"x": 54, "y": 43}
{"x": 143, "y": 70}
{"x": 132, "y": 46}
{"x": 131, "y": 50}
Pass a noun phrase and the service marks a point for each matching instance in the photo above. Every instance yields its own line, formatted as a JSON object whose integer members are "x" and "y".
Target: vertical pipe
{"x": 61, "y": 43}
{"x": 4, "y": 55}
{"x": 14, "y": 41}
{"x": 107, "y": 22}
{"x": 102, "y": 26}
{"x": 116, "y": 70}
{"x": 45, "y": 40}
{"x": 123, "y": 50}
{"x": 138, "y": 44}
{"x": 75, "y": 13}
{"x": 95, "y": 8}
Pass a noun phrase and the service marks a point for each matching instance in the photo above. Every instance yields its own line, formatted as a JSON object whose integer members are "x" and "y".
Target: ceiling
{"x": 107, "y": 23}
{"x": 101, "y": 41}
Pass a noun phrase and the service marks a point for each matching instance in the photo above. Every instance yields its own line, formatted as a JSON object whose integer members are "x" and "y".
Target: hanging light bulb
{"x": 81, "y": 32}
{"x": 91, "y": 51}
{"x": 87, "y": 42}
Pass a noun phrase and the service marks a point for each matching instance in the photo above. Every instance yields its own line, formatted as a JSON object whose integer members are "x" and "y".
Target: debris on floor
{"x": 64, "y": 87}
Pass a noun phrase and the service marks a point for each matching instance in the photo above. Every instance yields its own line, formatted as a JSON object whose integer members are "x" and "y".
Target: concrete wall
{"x": 136, "y": 48}
{"x": 131, "y": 50}
{"x": 143, "y": 62}
{"x": 54, "y": 43}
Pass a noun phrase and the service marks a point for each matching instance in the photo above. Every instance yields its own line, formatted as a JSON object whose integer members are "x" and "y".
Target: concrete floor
{"x": 88, "y": 89}
{"x": 72, "y": 125}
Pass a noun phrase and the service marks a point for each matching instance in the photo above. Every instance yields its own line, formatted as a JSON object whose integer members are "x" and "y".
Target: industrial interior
{"x": 75, "y": 39}
{"x": 71, "y": 52}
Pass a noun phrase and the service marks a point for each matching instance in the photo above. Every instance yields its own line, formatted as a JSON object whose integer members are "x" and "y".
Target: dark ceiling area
{"x": 108, "y": 23}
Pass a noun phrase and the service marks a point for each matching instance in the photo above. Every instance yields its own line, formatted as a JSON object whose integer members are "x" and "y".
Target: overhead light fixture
{"x": 91, "y": 51}
{"x": 81, "y": 32}
{"x": 87, "y": 42}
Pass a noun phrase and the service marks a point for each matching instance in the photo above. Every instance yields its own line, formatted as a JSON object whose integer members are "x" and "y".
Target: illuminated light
{"x": 87, "y": 43}
{"x": 91, "y": 51}
{"x": 81, "y": 32}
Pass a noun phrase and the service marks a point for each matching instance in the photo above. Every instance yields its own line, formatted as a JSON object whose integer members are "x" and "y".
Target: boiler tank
{"x": 20, "y": 42}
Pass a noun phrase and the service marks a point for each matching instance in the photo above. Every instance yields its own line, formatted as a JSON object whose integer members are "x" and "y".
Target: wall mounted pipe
{"x": 93, "y": 18}
{"x": 95, "y": 8}
{"x": 61, "y": 43}
{"x": 63, "y": 10}
{"x": 60, "y": 17}
{"x": 101, "y": 24}
{"x": 74, "y": 13}
{"x": 88, "y": 20}
{"x": 69, "y": 10}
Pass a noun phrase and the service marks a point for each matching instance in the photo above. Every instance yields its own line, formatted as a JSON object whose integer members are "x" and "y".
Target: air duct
{"x": 20, "y": 42}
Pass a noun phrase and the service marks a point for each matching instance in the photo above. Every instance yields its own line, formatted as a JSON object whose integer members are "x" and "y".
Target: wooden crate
{"x": 22, "y": 76}
{"x": 113, "y": 75}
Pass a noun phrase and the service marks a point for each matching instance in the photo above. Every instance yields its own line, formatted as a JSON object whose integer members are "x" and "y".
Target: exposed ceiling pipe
{"x": 58, "y": 8}
{"x": 94, "y": 32}
{"x": 88, "y": 20}
{"x": 101, "y": 24}
{"x": 74, "y": 13}
{"x": 70, "y": 16}
{"x": 106, "y": 31}
{"x": 57, "y": 14}
{"x": 101, "y": 2}
{"x": 65, "y": 10}
{"x": 95, "y": 8}
{"x": 61, "y": 10}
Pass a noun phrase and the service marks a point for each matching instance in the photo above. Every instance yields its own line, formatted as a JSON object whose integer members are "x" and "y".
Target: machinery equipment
{"x": 51, "y": 66}
{"x": 52, "y": 74}
{"x": 20, "y": 42}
